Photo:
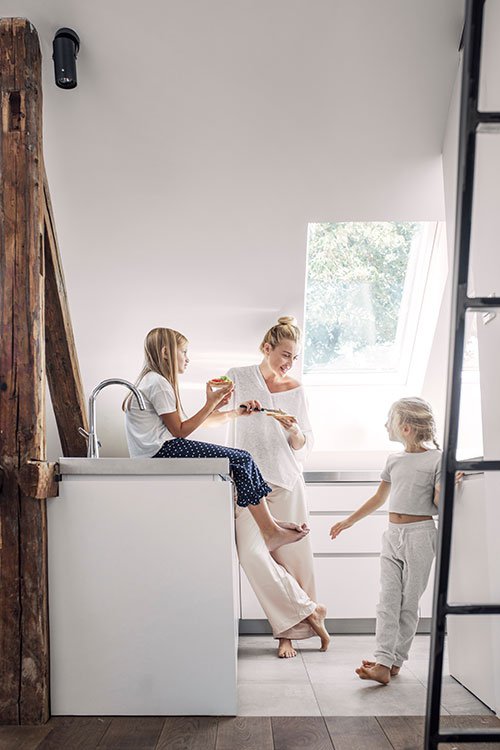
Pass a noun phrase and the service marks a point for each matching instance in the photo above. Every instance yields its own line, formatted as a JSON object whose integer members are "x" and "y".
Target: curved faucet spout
{"x": 93, "y": 446}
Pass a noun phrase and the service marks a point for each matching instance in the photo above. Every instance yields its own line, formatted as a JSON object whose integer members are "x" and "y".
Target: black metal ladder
{"x": 472, "y": 121}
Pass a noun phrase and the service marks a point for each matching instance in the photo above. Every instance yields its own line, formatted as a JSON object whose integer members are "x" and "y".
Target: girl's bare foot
{"x": 285, "y": 649}
{"x": 279, "y": 537}
{"x": 394, "y": 670}
{"x": 378, "y": 673}
{"x": 295, "y": 526}
{"x": 317, "y": 621}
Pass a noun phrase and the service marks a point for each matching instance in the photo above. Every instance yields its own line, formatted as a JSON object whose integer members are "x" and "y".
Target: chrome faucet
{"x": 91, "y": 435}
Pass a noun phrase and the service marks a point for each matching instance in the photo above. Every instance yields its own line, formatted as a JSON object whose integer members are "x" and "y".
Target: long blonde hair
{"x": 155, "y": 342}
{"x": 416, "y": 413}
{"x": 285, "y": 329}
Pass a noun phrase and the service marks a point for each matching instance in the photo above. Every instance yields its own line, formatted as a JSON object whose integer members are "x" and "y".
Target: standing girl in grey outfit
{"x": 411, "y": 479}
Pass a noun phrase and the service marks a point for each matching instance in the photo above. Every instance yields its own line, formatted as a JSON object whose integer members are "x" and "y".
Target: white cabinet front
{"x": 347, "y": 586}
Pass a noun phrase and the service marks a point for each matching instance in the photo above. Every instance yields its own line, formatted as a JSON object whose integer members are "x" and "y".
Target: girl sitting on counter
{"x": 160, "y": 432}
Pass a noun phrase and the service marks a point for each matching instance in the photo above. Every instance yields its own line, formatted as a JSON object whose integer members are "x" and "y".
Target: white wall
{"x": 202, "y": 139}
{"x": 470, "y": 441}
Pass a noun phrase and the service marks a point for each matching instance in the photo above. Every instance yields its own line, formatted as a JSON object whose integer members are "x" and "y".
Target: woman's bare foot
{"x": 285, "y": 649}
{"x": 295, "y": 526}
{"x": 378, "y": 673}
{"x": 279, "y": 537}
{"x": 317, "y": 621}
{"x": 394, "y": 670}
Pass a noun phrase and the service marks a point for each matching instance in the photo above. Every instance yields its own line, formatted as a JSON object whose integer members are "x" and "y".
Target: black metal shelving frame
{"x": 472, "y": 122}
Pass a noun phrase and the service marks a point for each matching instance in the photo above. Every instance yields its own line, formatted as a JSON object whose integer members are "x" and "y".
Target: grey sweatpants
{"x": 408, "y": 550}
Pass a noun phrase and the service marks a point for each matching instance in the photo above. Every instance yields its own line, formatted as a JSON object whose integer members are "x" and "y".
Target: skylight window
{"x": 365, "y": 287}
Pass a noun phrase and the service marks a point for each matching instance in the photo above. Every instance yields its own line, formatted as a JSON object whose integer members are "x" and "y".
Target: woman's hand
{"x": 288, "y": 422}
{"x": 247, "y": 407}
{"x": 216, "y": 397}
{"x": 340, "y": 526}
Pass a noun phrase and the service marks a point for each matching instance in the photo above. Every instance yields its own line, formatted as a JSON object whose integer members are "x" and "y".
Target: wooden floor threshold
{"x": 238, "y": 733}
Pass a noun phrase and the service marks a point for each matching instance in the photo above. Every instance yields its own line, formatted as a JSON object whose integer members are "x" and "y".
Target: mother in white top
{"x": 284, "y": 580}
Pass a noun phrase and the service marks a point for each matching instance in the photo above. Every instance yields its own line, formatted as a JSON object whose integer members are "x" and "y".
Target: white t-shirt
{"x": 262, "y": 436}
{"x": 145, "y": 430}
{"x": 413, "y": 477}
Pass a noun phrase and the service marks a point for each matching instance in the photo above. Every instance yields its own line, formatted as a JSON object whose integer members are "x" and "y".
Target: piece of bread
{"x": 220, "y": 382}
{"x": 278, "y": 413}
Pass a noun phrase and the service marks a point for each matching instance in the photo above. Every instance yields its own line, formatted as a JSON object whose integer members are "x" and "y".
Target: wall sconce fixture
{"x": 65, "y": 50}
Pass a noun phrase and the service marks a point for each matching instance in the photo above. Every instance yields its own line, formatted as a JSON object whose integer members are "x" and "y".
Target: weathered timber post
{"x": 24, "y": 667}
{"x": 63, "y": 371}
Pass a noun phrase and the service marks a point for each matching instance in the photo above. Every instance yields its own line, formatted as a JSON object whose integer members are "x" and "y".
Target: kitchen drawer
{"x": 250, "y": 607}
{"x": 364, "y": 536}
{"x": 347, "y": 586}
{"x": 338, "y": 497}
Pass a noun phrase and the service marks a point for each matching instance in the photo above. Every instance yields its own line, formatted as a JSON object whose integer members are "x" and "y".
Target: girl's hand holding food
{"x": 217, "y": 397}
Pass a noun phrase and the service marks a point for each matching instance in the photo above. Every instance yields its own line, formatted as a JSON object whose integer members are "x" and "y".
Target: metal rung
{"x": 472, "y": 609}
{"x": 469, "y": 735}
{"x": 485, "y": 128}
{"x": 477, "y": 465}
{"x": 481, "y": 303}
{"x": 488, "y": 122}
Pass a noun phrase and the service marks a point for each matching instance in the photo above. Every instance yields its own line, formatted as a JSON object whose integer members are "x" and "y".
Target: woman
{"x": 284, "y": 580}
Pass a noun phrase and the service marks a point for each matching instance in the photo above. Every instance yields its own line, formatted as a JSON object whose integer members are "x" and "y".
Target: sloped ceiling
{"x": 205, "y": 134}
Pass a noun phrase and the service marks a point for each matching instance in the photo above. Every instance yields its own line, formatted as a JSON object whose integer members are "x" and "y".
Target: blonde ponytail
{"x": 285, "y": 329}
{"x": 416, "y": 413}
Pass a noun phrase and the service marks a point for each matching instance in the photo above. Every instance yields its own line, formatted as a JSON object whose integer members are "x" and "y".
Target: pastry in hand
{"x": 220, "y": 382}
{"x": 279, "y": 413}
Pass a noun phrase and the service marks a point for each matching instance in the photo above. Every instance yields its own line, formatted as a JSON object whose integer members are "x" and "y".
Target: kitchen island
{"x": 139, "y": 552}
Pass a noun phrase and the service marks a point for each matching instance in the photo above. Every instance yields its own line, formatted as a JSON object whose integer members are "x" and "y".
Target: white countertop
{"x": 144, "y": 466}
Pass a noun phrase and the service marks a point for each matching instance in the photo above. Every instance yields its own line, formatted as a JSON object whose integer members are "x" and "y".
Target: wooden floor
{"x": 241, "y": 733}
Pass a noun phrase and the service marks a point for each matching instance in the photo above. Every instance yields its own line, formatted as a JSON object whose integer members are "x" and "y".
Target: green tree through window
{"x": 355, "y": 281}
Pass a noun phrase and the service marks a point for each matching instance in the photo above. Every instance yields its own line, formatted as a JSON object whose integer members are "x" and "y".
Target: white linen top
{"x": 262, "y": 436}
{"x": 413, "y": 477}
{"x": 145, "y": 430}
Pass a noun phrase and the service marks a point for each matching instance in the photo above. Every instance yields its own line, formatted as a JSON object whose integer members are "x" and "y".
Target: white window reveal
{"x": 365, "y": 289}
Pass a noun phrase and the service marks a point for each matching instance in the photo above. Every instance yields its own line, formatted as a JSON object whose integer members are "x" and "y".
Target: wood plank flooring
{"x": 239, "y": 733}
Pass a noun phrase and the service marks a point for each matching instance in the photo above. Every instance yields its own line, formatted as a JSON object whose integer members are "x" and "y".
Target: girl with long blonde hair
{"x": 161, "y": 430}
{"x": 411, "y": 480}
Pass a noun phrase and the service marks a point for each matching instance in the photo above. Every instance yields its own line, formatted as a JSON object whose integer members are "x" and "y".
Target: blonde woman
{"x": 284, "y": 582}
{"x": 160, "y": 431}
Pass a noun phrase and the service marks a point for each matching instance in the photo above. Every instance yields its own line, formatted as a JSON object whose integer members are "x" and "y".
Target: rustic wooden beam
{"x": 63, "y": 371}
{"x": 39, "y": 479}
{"x": 24, "y": 665}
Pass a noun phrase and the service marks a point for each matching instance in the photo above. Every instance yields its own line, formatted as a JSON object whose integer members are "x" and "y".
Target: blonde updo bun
{"x": 286, "y": 329}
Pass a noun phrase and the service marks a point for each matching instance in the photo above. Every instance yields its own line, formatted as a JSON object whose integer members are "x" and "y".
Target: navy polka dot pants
{"x": 250, "y": 485}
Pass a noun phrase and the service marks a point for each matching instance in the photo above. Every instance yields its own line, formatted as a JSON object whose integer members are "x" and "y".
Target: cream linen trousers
{"x": 283, "y": 580}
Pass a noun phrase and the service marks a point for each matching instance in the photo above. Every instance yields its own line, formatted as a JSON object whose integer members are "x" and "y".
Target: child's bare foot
{"x": 295, "y": 526}
{"x": 317, "y": 621}
{"x": 285, "y": 649}
{"x": 378, "y": 673}
{"x": 394, "y": 670}
{"x": 279, "y": 537}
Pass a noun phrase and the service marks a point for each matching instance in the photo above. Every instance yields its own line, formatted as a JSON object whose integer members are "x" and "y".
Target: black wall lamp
{"x": 65, "y": 50}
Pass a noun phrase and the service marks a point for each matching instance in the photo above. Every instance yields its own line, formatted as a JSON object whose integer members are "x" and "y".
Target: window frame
{"x": 416, "y": 279}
